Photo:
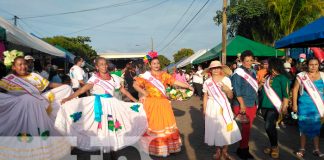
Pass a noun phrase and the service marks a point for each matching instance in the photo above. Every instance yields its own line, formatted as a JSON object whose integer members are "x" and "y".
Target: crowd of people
{"x": 110, "y": 109}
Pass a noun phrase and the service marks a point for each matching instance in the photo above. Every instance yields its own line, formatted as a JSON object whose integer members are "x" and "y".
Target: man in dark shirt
{"x": 246, "y": 101}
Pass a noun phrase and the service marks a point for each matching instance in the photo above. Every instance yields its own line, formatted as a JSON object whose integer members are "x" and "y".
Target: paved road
{"x": 191, "y": 124}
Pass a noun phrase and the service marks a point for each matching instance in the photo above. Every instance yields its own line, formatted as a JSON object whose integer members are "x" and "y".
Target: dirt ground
{"x": 190, "y": 121}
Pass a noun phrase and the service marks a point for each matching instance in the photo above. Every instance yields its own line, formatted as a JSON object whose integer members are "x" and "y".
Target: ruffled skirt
{"x": 162, "y": 136}
{"x": 27, "y": 132}
{"x": 122, "y": 123}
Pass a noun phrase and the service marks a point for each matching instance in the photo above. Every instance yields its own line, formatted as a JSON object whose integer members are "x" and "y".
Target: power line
{"x": 32, "y": 28}
{"x": 180, "y": 19}
{"x": 87, "y": 10}
{"x": 118, "y": 19}
{"x": 184, "y": 27}
{"x": 7, "y": 12}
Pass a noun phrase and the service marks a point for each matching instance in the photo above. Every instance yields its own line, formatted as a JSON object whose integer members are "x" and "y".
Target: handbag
{"x": 242, "y": 118}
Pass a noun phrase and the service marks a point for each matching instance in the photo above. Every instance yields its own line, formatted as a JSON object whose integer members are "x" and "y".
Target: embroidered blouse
{"x": 35, "y": 79}
{"x": 163, "y": 77}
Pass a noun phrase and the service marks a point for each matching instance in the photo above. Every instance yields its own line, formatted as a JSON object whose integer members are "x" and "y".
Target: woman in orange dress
{"x": 162, "y": 136}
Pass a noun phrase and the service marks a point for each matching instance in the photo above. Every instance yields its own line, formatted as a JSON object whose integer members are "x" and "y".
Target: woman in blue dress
{"x": 309, "y": 117}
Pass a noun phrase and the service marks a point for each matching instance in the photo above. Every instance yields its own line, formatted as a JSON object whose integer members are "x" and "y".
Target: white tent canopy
{"x": 190, "y": 59}
{"x": 19, "y": 37}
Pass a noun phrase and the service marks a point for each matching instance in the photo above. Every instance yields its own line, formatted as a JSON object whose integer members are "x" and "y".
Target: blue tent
{"x": 311, "y": 35}
{"x": 68, "y": 55}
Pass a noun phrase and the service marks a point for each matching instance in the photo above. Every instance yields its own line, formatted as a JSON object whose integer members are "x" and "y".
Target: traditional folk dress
{"x": 27, "y": 131}
{"x": 220, "y": 127}
{"x": 101, "y": 121}
{"x": 162, "y": 136}
{"x": 310, "y": 104}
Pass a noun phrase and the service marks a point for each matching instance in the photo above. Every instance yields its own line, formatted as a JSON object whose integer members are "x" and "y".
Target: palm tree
{"x": 286, "y": 16}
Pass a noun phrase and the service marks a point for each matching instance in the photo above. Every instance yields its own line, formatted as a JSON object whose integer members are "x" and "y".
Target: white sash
{"x": 272, "y": 95}
{"x": 248, "y": 78}
{"x": 108, "y": 87}
{"x": 148, "y": 76}
{"x": 28, "y": 87}
{"x": 312, "y": 91}
{"x": 220, "y": 97}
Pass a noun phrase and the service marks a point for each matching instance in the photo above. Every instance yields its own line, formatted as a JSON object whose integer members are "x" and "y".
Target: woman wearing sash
{"x": 24, "y": 115}
{"x": 309, "y": 105}
{"x": 274, "y": 101}
{"x": 101, "y": 121}
{"x": 221, "y": 129}
{"x": 162, "y": 136}
{"x": 245, "y": 88}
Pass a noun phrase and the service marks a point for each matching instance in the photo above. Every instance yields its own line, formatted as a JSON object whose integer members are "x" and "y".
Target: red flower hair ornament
{"x": 150, "y": 56}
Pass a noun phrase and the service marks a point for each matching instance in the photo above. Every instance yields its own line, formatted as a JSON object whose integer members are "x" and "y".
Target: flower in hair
{"x": 150, "y": 56}
{"x": 153, "y": 54}
{"x": 10, "y": 57}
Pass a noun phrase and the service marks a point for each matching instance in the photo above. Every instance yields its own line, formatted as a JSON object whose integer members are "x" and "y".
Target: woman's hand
{"x": 142, "y": 99}
{"x": 284, "y": 109}
{"x": 294, "y": 108}
{"x": 261, "y": 83}
{"x": 191, "y": 88}
{"x": 65, "y": 100}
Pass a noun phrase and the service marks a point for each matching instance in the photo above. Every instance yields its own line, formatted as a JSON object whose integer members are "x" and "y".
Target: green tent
{"x": 3, "y": 34}
{"x": 236, "y": 45}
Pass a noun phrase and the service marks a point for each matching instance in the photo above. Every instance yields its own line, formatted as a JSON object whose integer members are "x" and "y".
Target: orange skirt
{"x": 162, "y": 136}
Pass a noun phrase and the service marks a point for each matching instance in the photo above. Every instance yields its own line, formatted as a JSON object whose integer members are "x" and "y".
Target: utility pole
{"x": 15, "y": 20}
{"x": 224, "y": 32}
{"x": 152, "y": 44}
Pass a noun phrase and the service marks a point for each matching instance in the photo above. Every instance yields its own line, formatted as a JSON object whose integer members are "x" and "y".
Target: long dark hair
{"x": 277, "y": 65}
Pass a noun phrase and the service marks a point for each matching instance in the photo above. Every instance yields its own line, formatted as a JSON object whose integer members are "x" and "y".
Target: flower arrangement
{"x": 150, "y": 56}
{"x": 10, "y": 57}
{"x": 179, "y": 94}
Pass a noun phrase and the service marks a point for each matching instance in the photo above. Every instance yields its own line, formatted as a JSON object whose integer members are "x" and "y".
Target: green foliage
{"x": 269, "y": 20}
{"x": 76, "y": 45}
{"x": 164, "y": 61}
{"x": 184, "y": 52}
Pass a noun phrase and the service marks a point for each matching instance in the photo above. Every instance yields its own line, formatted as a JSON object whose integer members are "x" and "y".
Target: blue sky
{"x": 131, "y": 34}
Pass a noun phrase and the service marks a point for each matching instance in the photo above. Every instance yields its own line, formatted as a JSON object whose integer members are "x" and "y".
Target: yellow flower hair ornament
{"x": 10, "y": 57}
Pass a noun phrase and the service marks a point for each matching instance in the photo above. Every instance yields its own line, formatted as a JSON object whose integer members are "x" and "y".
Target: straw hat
{"x": 227, "y": 71}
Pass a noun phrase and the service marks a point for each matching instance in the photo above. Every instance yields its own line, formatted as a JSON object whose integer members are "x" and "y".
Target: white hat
{"x": 28, "y": 57}
{"x": 55, "y": 67}
{"x": 225, "y": 68}
{"x": 287, "y": 65}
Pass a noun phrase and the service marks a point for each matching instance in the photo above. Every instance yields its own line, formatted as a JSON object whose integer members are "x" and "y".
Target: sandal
{"x": 226, "y": 156}
{"x": 300, "y": 153}
{"x": 267, "y": 150}
{"x": 217, "y": 155}
{"x": 275, "y": 153}
{"x": 318, "y": 153}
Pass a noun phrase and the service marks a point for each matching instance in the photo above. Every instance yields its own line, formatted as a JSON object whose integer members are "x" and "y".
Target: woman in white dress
{"x": 27, "y": 131}
{"x": 221, "y": 129}
{"x": 102, "y": 121}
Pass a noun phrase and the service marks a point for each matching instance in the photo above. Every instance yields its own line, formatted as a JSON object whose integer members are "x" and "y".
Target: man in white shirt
{"x": 197, "y": 80}
{"x": 77, "y": 74}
